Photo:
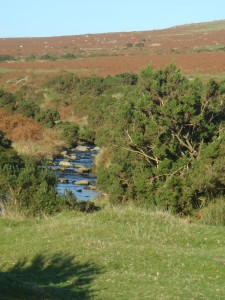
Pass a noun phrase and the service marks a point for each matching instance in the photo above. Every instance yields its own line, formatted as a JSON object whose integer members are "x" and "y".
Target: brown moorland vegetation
{"x": 19, "y": 127}
{"x": 198, "y": 49}
{"x": 28, "y": 136}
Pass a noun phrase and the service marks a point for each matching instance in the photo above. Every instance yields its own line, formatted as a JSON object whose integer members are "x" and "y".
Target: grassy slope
{"x": 123, "y": 253}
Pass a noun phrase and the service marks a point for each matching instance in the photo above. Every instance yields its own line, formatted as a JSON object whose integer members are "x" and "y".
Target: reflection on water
{"x": 78, "y": 170}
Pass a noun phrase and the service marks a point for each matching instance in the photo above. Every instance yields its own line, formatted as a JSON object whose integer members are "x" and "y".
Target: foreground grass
{"x": 119, "y": 253}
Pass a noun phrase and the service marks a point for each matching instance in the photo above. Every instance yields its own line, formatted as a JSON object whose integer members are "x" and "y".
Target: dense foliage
{"x": 167, "y": 143}
{"x": 30, "y": 187}
{"x": 162, "y": 134}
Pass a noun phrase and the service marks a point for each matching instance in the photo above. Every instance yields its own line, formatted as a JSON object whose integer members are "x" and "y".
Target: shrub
{"x": 48, "y": 117}
{"x": 64, "y": 83}
{"x": 31, "y": 190}
{"x": 87, "y": 135}
{"x": 5, "y": 57}
{"x": 69, "y": 56}
{"x": 28, "y": 109}
{"x": 165, "y": 140}
{"x": 7, "y": 101}
{"x": 70, "y": 133}
{"x": 8, "y": 156}
{"x": 48, "y": 56}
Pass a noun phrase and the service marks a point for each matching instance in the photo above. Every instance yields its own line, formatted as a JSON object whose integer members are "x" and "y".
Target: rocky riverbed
{"x": 74, "y": 171}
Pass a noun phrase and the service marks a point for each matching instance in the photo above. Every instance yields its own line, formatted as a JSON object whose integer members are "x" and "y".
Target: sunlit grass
{"x": 127, "y": 253}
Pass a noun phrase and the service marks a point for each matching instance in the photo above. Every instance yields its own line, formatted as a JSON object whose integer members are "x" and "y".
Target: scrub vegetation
{"x": 162, "y": 134}
{"x": 161, "y": 165}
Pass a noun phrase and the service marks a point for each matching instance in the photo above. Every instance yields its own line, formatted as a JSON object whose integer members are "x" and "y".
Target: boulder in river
{"x": 81, "y": 182}
{"x": 82, "y": 148}
{"x": 70, "y": 156}
{"x": 78, "y": 166}
{"x": 91, "y": 188}
{"x": 83, "y": 169}
{"x": 64, "y": 163}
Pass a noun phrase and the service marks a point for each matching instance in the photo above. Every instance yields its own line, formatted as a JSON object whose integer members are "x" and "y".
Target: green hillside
{"x": 116, "y": 253}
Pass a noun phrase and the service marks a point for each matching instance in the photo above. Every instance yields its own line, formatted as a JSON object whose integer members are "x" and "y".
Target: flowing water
{"x": 78, "y": 169}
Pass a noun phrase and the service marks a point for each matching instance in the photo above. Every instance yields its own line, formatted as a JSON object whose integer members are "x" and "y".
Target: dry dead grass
{"x": 49, "y": 146}
{"x": 29, "y": 137}
{"x": 19, "y": 127}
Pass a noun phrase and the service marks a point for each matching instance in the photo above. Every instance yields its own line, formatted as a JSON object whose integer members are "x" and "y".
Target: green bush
{"x": 28, "y": 109}
{"x": 7, "y": 101}
{"x": 173, "y": 133}
{"x": 64, "y": 83}
{"x": 48, "y": 56}
{"x": 70, "y": 133}
{"x": 48, "y": 117}
{"x": 87, "y": 135}
{"x": 8, "y": 156}
{"x": 69, "y": 56}
{"x": 5, "y": 57}
{"x": 29, "y": 187}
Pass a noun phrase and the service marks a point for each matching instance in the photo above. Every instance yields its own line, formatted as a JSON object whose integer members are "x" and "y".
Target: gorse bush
{"x": 8, "y": 156}
{"x": 164, "y": 134}
{"x": 70, "y": 133}
{"x": 7, "y": 101}
{"x": 171, "y": 153}
{"x": 48, "y": 117}
{"x": 6, "y": 57}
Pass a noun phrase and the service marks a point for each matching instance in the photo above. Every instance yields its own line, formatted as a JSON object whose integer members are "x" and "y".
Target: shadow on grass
{"x": 55, "y": 277}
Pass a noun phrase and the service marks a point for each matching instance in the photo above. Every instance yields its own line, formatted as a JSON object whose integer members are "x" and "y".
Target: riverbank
{"x": 115, "y": 253}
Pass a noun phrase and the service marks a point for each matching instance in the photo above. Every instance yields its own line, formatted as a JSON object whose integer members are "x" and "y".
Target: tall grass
{"x": 214, "y": 213}
{"x": 50, "y": 145}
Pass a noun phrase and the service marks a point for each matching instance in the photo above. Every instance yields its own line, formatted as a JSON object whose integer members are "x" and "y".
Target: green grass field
{"x": 117, "y": 253}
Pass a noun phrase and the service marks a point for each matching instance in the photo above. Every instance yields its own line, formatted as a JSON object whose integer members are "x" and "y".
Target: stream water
{"x": 77, "y": 176}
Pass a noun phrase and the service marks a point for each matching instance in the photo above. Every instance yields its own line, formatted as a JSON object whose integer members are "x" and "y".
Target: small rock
{"x": 82, "y": 148}
{"x": 64, "y": 163}
{"x": 72, "y": 157}
{"x": 91, "y": 187}
{"x": 83, "y": 170}
{"x": 78, "y": 166}
{"x": 81, "y": 182}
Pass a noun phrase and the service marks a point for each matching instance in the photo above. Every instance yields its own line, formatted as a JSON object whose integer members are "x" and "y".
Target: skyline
{"x": 56, "y": 18}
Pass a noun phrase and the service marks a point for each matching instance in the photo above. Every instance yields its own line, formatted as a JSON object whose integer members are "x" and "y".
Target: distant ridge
{"x": 197, "y": 48}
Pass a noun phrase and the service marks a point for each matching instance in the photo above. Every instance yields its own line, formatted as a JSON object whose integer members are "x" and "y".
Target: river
{"x": 74, "y": 173}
